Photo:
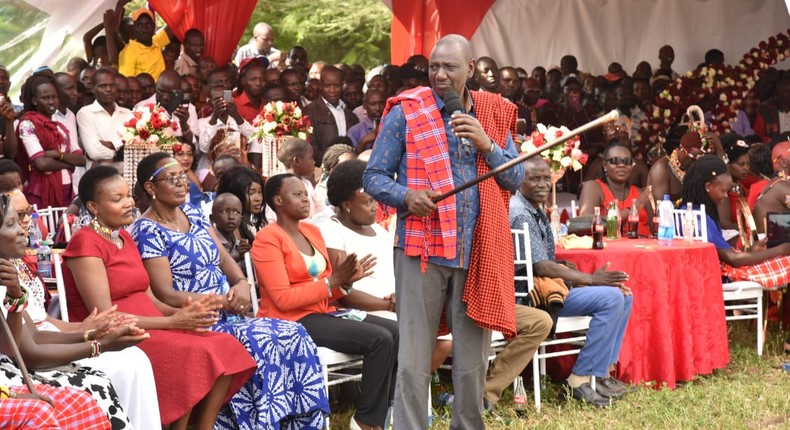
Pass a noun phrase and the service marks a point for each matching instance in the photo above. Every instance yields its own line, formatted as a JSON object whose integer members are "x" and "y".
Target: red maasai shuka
{"x": 770, "y": 273}
{"x": 427, "y": 167}
{"x": 489, "y": 291}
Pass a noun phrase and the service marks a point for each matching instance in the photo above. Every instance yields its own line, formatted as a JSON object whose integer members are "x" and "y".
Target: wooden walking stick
{"x": 611, "y": 116}
{"x": 21, "y": 363}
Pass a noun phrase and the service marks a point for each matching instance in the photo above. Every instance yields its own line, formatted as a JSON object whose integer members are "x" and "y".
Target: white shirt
{"x": 339, "y": 112}
{"x": 382, "y": 282}
{"x": 97, "y": 124}
{"x": 192, "y": 121}
{"x": 207, "y": 132}
{"x": 70, "y": 121}
{"x": 250, "y": 50}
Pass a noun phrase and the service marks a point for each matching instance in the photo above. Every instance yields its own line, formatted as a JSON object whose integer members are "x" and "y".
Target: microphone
{"x": 452, "y": 102}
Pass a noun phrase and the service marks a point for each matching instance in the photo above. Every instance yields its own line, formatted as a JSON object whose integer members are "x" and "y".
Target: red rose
{"x": 144, "y": 134}
{"x": 132, "y": 123}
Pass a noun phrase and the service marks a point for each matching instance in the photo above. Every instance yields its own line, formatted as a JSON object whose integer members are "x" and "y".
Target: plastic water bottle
{"x": 44, "y": 256}
{"x": 666, "y": 222}
{"x": 34, "y": 232}
{"x": 689, "y": 223}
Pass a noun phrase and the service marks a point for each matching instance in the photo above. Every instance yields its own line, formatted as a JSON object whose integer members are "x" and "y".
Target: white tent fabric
{"x": 68, "y": 21}
{"x": 529, "y": 33}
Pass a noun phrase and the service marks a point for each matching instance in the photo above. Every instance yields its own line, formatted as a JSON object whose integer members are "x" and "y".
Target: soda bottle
{"x": 633, "y": 221}
{"x": 519, "y": 395}
{"x": 612, "y": 226}
{"x": 597, "y": 229}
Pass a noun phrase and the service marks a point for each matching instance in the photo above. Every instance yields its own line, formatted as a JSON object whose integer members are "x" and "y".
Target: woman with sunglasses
{"x": 185, "y": 260}
{"x": 613, "y": 184}
{"x": 193, "y": 368}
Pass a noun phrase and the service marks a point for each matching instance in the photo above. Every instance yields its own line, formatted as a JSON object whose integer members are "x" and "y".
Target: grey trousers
{"x": 421, "y": 299}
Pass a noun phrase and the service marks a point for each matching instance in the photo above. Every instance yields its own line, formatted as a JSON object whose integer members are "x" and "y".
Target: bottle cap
{"x": 666, "y": 196}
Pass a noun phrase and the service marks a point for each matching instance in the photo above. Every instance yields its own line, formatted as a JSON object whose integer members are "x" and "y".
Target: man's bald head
{"x": 780, "y": 156}
{"x": 263, "y": 37}
{"x": 169, "y": 78}
{"x": 458, "y": 40}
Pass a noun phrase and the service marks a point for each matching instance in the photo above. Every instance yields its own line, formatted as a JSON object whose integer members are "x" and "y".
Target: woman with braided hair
{"x": 707, "y": 182}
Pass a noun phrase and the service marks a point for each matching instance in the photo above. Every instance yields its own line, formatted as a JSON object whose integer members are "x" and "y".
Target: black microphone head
{"x": 452, "y": 102}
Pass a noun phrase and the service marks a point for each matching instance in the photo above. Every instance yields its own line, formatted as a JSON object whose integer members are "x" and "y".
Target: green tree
{"x": 335, "y": 31}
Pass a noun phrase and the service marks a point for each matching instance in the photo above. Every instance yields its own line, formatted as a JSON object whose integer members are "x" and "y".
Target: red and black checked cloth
{"x": 770, "y": 273}
{"x": 427, "y": 167}
{"x": 74, "y": 409}
{"x": 490, "y": 291}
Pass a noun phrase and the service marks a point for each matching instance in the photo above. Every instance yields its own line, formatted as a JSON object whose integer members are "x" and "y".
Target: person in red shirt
{"x": 249, "y": 99}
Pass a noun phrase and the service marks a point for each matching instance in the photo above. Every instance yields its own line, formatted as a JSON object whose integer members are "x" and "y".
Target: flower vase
{"x": 134, "y": 153}
{"x": 270, "y": 165}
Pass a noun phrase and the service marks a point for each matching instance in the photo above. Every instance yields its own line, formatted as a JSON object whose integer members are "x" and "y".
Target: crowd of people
{"x": 349, "y": 245}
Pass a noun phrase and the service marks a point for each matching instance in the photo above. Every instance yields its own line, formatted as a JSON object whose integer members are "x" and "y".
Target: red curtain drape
{"x": 221, "y": 21}
{"x": 418, "y": 24}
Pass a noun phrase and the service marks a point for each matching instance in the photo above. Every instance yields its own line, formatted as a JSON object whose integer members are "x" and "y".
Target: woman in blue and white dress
{"x": 184, "y": 260}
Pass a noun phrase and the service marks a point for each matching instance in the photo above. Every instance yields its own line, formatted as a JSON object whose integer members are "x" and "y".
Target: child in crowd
{"x": 10, "y": 176}
{"x": 226, "y": 219}
{"x": 297, "y": 157}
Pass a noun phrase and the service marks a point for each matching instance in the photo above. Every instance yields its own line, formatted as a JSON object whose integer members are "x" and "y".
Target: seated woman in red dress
{"x": 47, "y": 155}
{"x": 104, "y": 268}
{"x": 613, "y": 184}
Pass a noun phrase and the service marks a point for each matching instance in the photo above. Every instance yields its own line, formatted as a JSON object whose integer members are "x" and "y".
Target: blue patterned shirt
{"x": 385, "y": 177}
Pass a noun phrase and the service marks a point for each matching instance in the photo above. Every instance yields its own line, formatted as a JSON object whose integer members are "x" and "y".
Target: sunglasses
{"x": 25, "y": 213}
{"x": 616, "y": 161}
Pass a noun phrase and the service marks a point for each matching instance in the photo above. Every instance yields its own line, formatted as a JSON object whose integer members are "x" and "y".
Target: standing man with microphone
{"x": 453, "y": 259}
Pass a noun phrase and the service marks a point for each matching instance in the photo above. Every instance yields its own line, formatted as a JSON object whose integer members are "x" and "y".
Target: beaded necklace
{"x": 107, "y": 233}
{"x": 30, "y": 282}
{"x": 674, "y": 166}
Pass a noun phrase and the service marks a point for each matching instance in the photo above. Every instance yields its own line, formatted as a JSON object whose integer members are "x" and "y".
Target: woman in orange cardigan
{"x": 298, "y": 283}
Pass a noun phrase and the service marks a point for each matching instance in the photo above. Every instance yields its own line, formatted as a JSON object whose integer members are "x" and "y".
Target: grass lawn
{"x": 751, "y": 393}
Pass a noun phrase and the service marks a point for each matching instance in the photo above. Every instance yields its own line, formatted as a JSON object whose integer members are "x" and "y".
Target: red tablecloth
{"x": 677, "y": 328}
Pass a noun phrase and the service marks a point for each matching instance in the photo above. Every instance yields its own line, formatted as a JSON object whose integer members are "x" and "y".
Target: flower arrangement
{"x": 278, "y": 119}
{"x": 150, "y": 125}
{"x": 723, "y": 88}
{"x": 559, "y": 157}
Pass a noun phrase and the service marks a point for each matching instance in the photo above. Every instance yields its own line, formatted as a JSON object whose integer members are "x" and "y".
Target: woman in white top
{"x": 354, "y": 230}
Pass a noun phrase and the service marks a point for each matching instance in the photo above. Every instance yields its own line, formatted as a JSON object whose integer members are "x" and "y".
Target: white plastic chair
{"x": 331, "y": 361}
{"x": 56, "y": 266}
{"x": 52, "y": 217}
{"x": 745, "y": 297}
{"x": 523, "y": 256}
{"x": 700, "y": 224}
{"x": 253, "y": 281}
